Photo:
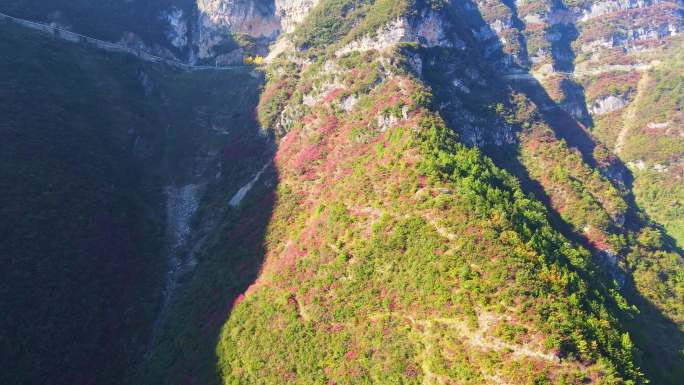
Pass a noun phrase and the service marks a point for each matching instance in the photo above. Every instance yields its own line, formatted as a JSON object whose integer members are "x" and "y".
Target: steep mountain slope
{"x": 534, "y": 126}
{"x": 441, "y": 193}
{"x": 622, "y": 47}
{"x": 589, "y": 57}
{"x": 81, "y": 233}
{"x": 396, "y": 252}
{"x": 94, "y": 146}
{"x": 649, "y": 139}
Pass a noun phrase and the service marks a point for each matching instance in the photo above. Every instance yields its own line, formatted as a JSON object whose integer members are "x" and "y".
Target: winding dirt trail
{"x": 630, "y": 116}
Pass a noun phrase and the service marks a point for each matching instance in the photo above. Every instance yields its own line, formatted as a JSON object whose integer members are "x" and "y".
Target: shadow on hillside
{"x": 212, "y": 141}
{"x": 658, "y": 337}
{"x": 237, "y": 254}
{"x": 108, "y": 132}
{"x": 229, "y": 261}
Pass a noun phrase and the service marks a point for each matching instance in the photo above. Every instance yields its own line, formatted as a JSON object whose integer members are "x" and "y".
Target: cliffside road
{"x": 109, "y": 46}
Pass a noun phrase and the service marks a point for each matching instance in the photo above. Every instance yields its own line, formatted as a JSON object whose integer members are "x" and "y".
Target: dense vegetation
{"x": 594, "y": 209}
{"x": 333, "y": 23}
{"x": 89, "y": 140}
{"x": 420, "y": 218}
{"x": 584, "y": 184}
{"x": 653, "y": 142}
{"x": 396, "y": 253}
{"x": 82, "y": 228}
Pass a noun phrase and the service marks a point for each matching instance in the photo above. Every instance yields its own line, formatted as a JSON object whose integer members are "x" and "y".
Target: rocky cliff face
{"x": 428, "y": 29}
{"x": 197, "y": 31}
{"x": 557, "y": 41}
{"x": 178, "y": 28}
{"x": 223, "y": 25}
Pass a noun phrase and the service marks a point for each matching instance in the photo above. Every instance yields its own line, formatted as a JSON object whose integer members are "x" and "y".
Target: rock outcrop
{"x": 427, "y": 29}
{"x": 221, "y": 24}
{"x": 607, "y": 105}
{"x": 177, "y": 32}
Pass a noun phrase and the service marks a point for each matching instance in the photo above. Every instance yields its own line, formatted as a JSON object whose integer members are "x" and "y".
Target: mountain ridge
{"x": 440, "y": 201}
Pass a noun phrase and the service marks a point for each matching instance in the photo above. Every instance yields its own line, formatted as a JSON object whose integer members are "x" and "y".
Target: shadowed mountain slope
{"x": 93, "y": 145}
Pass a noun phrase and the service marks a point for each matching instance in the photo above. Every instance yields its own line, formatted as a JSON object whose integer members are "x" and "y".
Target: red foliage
{"x": 643, "y": 17}
{"x": 534, "y": 27}
{"x": 648, "y": 43}
{"x": 422, "y": 181}
{"x": 286, "y": 146}
{"x": 411, "y": 371}
{"x": 609, "y": 79}
{"x": 309, "y": 119}
{"x": 306, "y": 158}
{"x": 290, "y": 256}
{"x": 312, "y": 233}
{"x": 598, "y": 239}
{"x": 334, "y": 94}
{"x": 677, "y": 170}
{"x": 328, "y": 126}
{"x": 238, "y": 300}
{"x": 273, "y": 88}
{"x": 336, "y": 328}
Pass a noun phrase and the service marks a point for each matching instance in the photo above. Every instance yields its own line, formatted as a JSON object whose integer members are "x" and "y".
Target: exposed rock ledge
{"x": 601, "y": 8}
{"x": 427, "y": 30}
{"x": 261, "y": 20}
{"x": 290, "y": 13}
{"x": 607, "y": 104}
